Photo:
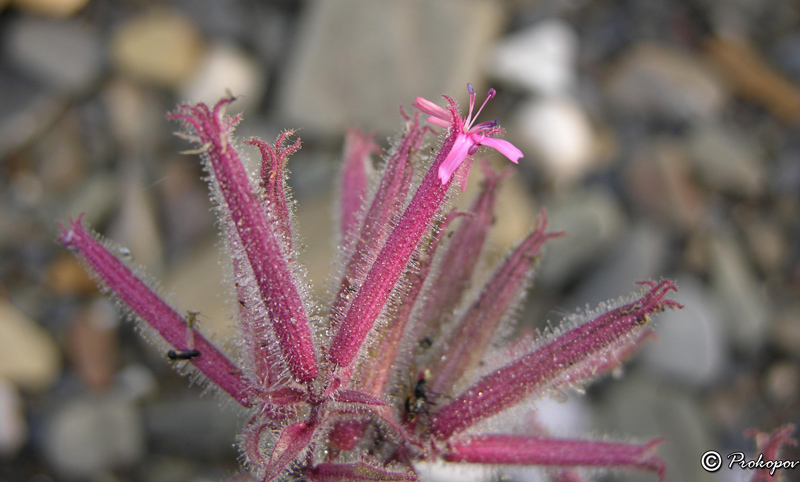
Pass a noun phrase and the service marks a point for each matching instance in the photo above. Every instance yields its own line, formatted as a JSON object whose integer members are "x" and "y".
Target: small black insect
{"x": 419, "y": 398}
{"x": 425, "y": 343}
{"x": 182, "y": 354}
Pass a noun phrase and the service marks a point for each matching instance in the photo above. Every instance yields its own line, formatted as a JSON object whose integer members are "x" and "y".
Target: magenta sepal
{"x": 388, "y": 267}
{"x": 560, "y": 361}
{"x": 353, "y": 185}
{"x": 291, "y": 442}
{"x": 523, "y": 450}
{"x": 460, "y": 258}
{"x": 151, "y": 309}
{"x": 264, "y": 253}
{"x": 383, "y": 209}
{"x": 273, "y": 163}
{"x": 479, "y": 324}
{"x": 769, "y": 445}
{"x": 355, "y": 472}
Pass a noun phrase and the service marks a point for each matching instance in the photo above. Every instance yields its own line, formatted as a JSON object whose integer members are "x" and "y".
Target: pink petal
{"x": 455, "y": 157}
{"x": 433, "y": 110}
{"x": 504, "y": 147}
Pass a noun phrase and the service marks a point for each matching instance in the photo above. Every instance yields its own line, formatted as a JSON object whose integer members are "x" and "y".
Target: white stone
{"x": 13, "y": 429}
{"x": 51, "y": 8}
{"x": 226, "y": 68}
{"x": 561, "y": 136}
{"x": 540, "y": 58}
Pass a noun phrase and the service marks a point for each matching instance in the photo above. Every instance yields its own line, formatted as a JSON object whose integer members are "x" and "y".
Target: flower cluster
{"x": 403, "y": 367}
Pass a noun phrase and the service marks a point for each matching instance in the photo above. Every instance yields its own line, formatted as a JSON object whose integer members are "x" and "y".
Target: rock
{"x": 136, "y": 115}
{"x": 662, "y": 183}
{"x": 13, "y": 427}
{"x": 639, "y": 255}
{"x": 161, "y": 47}
{"x": 593, "y": 221}
{"x": 692, "y": 343}
{"x": 136, "y": 382}
{"x": 728, "y": 161}
{"x": 93, "y": 344}
{"x": 740, "y": 292}
{"x": 87, "y": 436}
{"x": 51, "y": 8}
{"x": 65, "y": 55}
{"x": 357, "y": 60}
{"x": 786, "y": 330}
{"x": 27, "y": 112}
{"x": 192, "y": 428}
{"x": 29, "y": 357}
{"x": 97, "y": 198}
{"x": 782, "y": 382}
{"x": 753, "y": 77}
{"x": 559, "y": 135}
{"x": 540, "y": 58}
{"x": 655, "y": 80}
{"x": 226, "y": 68}
{"x": 767, "y": 242}
{"x": 67, "y": 277}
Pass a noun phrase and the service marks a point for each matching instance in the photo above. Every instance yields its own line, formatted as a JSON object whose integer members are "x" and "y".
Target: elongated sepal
{"x": 769, "y": 446}
{"x": 353, "y": 184}
{"x": 560, "y": 361}
{"x": 476, "y": 328}
{"x": 262, "y": 247}
{"x": 151, "y": 309}
{"x": 355, "y": 472}
{"x": 522, "y": 450}
{"x": 293, "y": 440}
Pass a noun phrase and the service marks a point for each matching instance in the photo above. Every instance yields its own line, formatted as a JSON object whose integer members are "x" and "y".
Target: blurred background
{"x": 662, "y": 135}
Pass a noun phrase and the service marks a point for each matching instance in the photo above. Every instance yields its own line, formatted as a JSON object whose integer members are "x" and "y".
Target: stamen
{"x": 489, "y": 95}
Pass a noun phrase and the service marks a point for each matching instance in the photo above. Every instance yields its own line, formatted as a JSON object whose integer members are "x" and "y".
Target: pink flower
{"x": 469, "y": 137}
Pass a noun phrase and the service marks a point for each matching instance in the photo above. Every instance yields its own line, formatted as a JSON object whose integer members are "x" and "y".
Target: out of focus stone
{"x": 96, "y": 199}
{"x": 66, "y": 277}
{"x": 88, "y": 436}
{"x": 692, "y": 343}
{"x": 753, "y": 77}
{"x": 137, "y": 116}
{"x": 659, "y": 81}
{"x": 740, "y": 292}
{"x": 783, "y": 382}
{"x": 13, "y": 428}
{"x": 540, "y": 58}
{"x": 162, "y": 47}
{"x": 51, "y": 8}
{"x": 64, "y": 55}
{"x": 728, "y": 161}
{"x": 767, "y": 243}
{"x": 226, "y": 68}
{"x": 593, "y": 220}
{"x": 786, "y": 330}
{"x": 29, "y": 357}
{"x": 559, "y": 135}
{"x": 357, "y": 60}
{"x": 661, "y": 181}
{"x": 93, "y": 344}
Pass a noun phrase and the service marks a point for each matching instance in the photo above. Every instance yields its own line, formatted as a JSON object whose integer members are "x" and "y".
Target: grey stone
{"x": 65, "y": 55}
{"x": 593, "y": 221}
{"x": 88, "y": 436}
{"x": 728, "y": 161}
{"x": 692, "y": 345}
{"x": 357, "y": 60}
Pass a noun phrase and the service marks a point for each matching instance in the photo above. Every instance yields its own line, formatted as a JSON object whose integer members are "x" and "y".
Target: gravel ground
{"x": 662, "y": 135}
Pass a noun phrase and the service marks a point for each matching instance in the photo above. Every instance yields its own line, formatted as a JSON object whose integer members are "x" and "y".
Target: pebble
{"x": 559, "y": 135}
{"x": 692, "y": 345}
{"x": 13, "y": 426}
{"x": 161, "y": 47}
{"x": 394, "y": 63}
{"x": 136, "y": 115}
{"x": 29, "y": 357}
{"x": 51, "y": 8}
{"x": 638, "y": 255}
{"x": 767, "y": 242}
{"x": 91, "y": 435}
{"x": 786, "y": 330}
{"x": 783, "y": 382}
{"x": 93, "y": 344}
{"x": 727, "y": 160}
{"x": 67, "y": 277}
{"x": 753, "y": 77}
{"x": 740, "y": 292}
{"x": 65, "y": 55}
{"x": 656, "y": 80}
{"x": 96, "y": 199}
{"x": 593, "y": 221}
{"x": 540, "y": 58}
{"x": 192, "y": 427}
{"x": 227, "y": 68}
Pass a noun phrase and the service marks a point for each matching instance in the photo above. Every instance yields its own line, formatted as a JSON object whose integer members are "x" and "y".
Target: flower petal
{"x": 504, "y": 147}
{"x": 455, "y": 157}
{"x": 433, "y": 110}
